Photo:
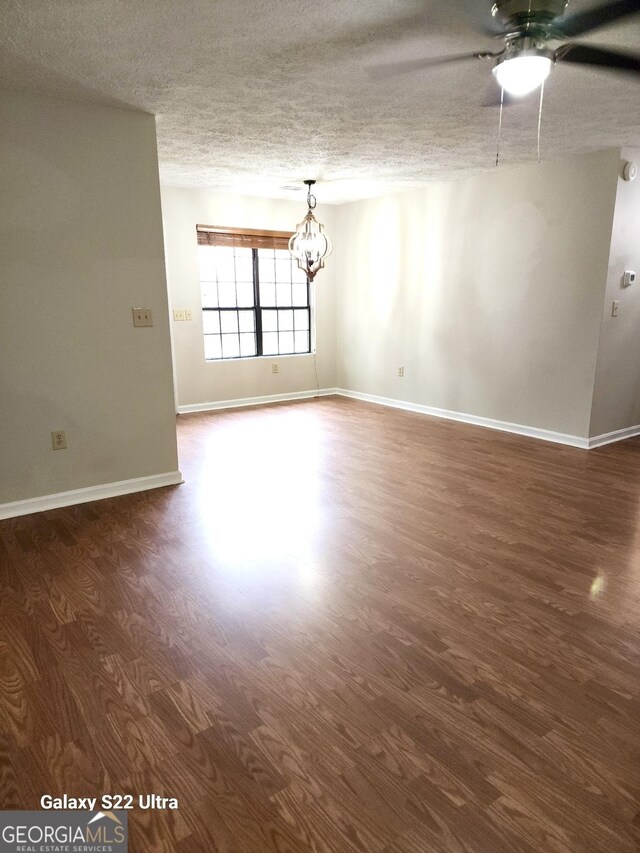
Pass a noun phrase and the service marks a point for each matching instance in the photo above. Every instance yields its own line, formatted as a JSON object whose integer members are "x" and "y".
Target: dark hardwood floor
{"x": 352, "y": 629}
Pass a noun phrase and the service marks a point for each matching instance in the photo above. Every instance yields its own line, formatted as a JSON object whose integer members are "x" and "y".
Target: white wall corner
{"x": 611, "y": 437}
{"x": 513, "y": 332}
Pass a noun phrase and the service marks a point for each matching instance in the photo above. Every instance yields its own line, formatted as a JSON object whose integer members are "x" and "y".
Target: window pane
{"x": 224, "y": 253}
{"x": 227, "y": 294}
{"x": 283, "y": 293}
{"x": 211, "y": 322}
{"x": 269, "y": 321}
{"x": 270, "y": 343}
{"x": 297, "y": 274}
{"x": 300, "y": 293}
{"x": 247, "y": 344}
{"x": 286, "y": 341}
{"x": 230, "y": 346}
{"x": 245, "y": 293}
{"x": 207, "y": 263}
{"x": 225, "y": 268}
{"x": 212, "y": 346}
{"x": 283, "y": 268}
{"x": 302, "y": 341}
{"x": 267, "y": 265}
{"x": 285, "y": 321}
{"x": 267, "y": 293}
{"x": 229, "y": 321}
{"x": 244, "y": 266}
{"x": 209, "y": 295}
{"x": 301, "y": 320}
{"x": 247, "y": 321}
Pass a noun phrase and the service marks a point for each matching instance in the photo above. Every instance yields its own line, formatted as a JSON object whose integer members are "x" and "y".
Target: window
{"x": 255, "y": 298}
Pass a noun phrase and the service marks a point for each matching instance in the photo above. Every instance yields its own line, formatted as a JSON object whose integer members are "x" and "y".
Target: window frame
{"x": 255, "y": 239}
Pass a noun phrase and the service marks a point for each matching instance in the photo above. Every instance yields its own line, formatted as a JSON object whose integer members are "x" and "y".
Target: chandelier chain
{"x": 540, "y": 117}
{"x": 500, "y": 125}
{"x": 311, "y": 199}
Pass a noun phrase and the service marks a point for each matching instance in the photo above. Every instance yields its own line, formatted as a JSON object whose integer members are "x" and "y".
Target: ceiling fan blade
{"x": 599, "y": 16}
{"x": 380, "y": 72}
{"x": 479, "y": 14}
{"x": 588, "y": 54}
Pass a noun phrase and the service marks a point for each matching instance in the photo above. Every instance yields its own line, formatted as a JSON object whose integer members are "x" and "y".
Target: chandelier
{"x": 310, "y": 245}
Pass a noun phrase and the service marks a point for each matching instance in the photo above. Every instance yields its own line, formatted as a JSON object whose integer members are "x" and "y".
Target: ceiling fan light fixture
{"x": 309, "y": 245}
{"x": 524, "y": 72}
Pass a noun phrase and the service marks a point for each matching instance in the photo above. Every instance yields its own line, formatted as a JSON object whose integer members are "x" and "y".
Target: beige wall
{"x": 201, "y": 382}
{"x": 81, "y": 244}
{"x": 616, "y": 396}
{"x": 489, "y": 291}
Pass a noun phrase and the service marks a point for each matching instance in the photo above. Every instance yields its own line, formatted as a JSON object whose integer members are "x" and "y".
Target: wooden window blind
{"x": 210, "y": 235}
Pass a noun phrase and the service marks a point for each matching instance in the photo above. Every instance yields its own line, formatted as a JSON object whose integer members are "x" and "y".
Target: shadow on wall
{"x": 43, "y": 80}
{"x": 486, "y": 336}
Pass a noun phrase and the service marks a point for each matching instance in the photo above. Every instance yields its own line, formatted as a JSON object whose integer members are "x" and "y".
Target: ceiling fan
{"x": 531, "y": 30}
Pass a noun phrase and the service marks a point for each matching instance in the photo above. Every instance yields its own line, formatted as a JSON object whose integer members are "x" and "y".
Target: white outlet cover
{"x": 59, "y": 440}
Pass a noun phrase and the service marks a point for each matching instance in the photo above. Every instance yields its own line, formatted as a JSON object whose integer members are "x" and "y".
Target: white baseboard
{"x": 610, "y": 437}
{"x": 255, "y": 401}
{"x": 91, "y": 493}
{"x": 475, "y": 420}
{"x": 462, "y": 417}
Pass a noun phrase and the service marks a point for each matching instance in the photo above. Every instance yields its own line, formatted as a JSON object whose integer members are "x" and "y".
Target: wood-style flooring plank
{"x": 352, "y": 630}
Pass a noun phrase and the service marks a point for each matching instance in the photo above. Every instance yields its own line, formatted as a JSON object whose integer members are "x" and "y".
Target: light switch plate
{"x": 178, "y": 314}
{"x": 142, "y": 317}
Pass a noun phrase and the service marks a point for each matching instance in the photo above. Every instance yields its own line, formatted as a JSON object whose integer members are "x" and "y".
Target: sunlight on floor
{"x": 259, "y": 491}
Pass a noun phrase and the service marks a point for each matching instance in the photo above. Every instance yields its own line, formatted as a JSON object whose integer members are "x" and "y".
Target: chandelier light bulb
{"x": 522, "y": 74}
{"x": 311, "y": 244}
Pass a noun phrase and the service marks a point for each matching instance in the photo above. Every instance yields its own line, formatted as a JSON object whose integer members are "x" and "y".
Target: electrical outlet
{"x": 275, "y": 367}
{"x": 401, "y": 371}
{"x": 614, "y": 308}
{"x": 179, "y": 314}
{"x": 188, "y": 314}
{"x": 142, "y": 317}
{"x": 59, "y": 440}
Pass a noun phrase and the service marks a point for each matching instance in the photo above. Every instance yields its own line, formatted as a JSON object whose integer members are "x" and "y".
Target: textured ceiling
{"x": 252, "y": 95}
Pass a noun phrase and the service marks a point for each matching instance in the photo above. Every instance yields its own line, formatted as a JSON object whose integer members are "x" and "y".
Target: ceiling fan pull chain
{"x": 500, "y": 125}
{"x": 540, "y": 117}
